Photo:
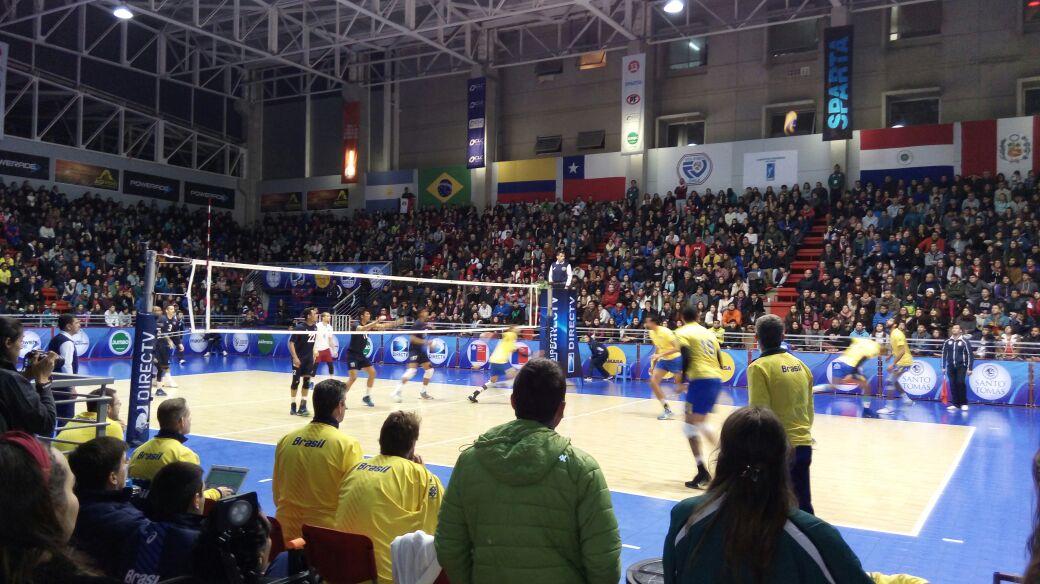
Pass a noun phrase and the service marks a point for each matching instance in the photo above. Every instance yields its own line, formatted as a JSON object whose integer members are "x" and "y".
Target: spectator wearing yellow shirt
{"x": 391, "y": 494}
{"x": 901, "y": 359}
{"x": 168, "y": 446}
{"x": 311, "y": 462}
{"x": 76, "y": 432}
{"x": 5, "y": 274}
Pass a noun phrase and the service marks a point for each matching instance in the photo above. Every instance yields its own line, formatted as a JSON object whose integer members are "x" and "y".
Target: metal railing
{"x": 98, "y": 321}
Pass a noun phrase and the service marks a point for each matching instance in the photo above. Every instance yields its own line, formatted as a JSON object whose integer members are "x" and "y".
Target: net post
{"x": 150, "y": 260}
{"x": 209, "y": 282}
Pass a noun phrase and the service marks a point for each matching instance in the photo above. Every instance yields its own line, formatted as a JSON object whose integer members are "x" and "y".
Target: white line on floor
{"x": 631, "y": 547}
{"x": 264, "y": 480}
{"x": 946, "y": 481}
{"x": 953, "y": 540}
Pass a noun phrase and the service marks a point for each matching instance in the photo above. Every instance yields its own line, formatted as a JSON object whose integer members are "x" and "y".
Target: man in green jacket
{"x": 523, "y": 505}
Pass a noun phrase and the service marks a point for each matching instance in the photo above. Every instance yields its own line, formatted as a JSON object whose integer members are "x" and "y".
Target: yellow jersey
{"x": 165, "y": 448}
{"x": 719, "y": 332}
{"x": 387, "y": 496}
{"x": 782, "y": 383}
{"x": 75, "y": 431}
{"x": 310, "y": 464}
{"x": 504, "y": 349}
{"x": 859, "y": 351}
{"x": 664, "y": 341}
{"x": 898, "y": 340}
{"x": 703, "y": 349}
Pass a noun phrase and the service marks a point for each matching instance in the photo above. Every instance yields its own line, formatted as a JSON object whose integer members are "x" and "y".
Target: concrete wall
{"x": 54, "y": 151}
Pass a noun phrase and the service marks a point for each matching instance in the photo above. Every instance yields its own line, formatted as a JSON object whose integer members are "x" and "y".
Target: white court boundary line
{"x": 923, "y": 518}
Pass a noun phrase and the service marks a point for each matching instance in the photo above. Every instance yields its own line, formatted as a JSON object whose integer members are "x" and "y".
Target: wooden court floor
{"x": 880, "y": 475}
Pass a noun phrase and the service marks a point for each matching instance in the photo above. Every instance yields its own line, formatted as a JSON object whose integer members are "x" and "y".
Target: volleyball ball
{"x": 790, "y": 122}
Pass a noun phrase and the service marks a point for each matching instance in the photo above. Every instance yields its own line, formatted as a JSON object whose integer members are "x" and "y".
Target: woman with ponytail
{"x": 747, "y": 527}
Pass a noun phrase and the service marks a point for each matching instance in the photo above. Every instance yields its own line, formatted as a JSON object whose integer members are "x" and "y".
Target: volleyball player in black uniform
{"x": 417, "y": 357}
{"x": 301, "y": 348}
{"x": 165, "y": 328}
{"x": 356, "y": 359}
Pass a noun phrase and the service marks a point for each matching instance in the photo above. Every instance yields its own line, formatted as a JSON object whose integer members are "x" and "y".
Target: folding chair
{"x": 339, "y": 557}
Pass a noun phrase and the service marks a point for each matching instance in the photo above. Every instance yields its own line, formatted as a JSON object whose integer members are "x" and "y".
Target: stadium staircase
{"x": 806, "y": 258}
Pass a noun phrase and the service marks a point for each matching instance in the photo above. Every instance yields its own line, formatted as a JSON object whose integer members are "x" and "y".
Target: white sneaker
{"x": 182, "y": 362}
{"x": 206, "y": 354}
{"x": 886, "y": 411}
{"x": 964, "y": 408}
{"x": 951, "y": 408}
{"x": 225, "y": 353}
{"x": 171, "y": 383}
{"x": 907, "y": 400}
{"x": 396, "y": 395}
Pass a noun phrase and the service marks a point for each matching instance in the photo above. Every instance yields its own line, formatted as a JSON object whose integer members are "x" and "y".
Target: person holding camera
{"x": 24, "y": 406}
{"x": 64, "y": 346}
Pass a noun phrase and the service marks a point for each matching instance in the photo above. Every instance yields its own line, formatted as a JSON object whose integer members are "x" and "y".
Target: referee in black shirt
{"x": 957, "y": 361}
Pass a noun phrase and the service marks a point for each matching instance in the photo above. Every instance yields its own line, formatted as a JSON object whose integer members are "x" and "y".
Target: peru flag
{"x": 907, "y": 153}
{"x": 1000, "y": 146}
{"x": 596, "y": 177}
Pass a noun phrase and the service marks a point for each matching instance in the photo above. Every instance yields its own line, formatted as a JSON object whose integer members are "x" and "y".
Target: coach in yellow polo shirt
{"x": 311, "y": 462}
{"x": 168, "y": 446}
{"x": 391, "y": 494}
{"x": 75, "y": 432}
{"x": 781, "y": 382}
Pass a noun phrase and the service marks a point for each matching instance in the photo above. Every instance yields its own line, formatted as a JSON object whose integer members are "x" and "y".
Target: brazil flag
{"x": 444, "y": 185}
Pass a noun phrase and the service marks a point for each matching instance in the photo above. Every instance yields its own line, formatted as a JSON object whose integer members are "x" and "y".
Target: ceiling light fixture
{"x": 898, "y": 126}
{"x": 695, "y": 46}
{"x": 122, "y": 12}
{"x": 674, "y": 6}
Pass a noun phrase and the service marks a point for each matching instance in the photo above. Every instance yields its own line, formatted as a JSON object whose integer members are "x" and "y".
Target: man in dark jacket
{"x": 524, "y": 504}
{"x": 23, "y": 406}
{"x": 598, "y": 358}
{"x": 106, "y": 516}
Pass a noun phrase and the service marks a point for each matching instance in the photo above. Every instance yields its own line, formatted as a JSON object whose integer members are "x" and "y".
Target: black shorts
{"x": 418, "y": 356}
{"x": 162, "y": 355}
{"x": 358, "y": 362}
{"x": 306, "y": 368}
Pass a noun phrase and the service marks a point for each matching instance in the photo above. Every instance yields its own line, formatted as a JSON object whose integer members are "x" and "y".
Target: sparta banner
{"x": 837, "y": 83}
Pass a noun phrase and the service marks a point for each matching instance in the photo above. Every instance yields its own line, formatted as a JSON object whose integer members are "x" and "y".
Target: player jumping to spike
{"x": 417, "y": 357}
{"x": 301, "y": 348}
{"x": 702, "y": 365}
{"x": 500, "y": 366}
{"x": 667, "y": 359}
{"x": 356, "y": 359}
{"x": 900, "y": 360}
{"x": 845, "y": 370}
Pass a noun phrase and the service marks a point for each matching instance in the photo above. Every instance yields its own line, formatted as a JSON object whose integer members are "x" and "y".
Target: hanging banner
{"x": 151, "y": 186}
{"x": 837, "y": 83}
{"x": 24, "y": 165}
{"x": 199, "y": 194}
{"x": 351, "y": 140}
{"x": 476, "y": 98}
{"x": 633, "y": 96}
{"x": 86, "y": 175}
{"x": 281, "y": 202}
{"x": 140, "y": 379}
{"x": 3, "y": 85}
{"x": 559, "y": 335}
{"x": 326, "y": 199}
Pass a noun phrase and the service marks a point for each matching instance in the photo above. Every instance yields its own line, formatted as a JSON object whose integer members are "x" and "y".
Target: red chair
{"x": 339, "y": 557}
{"x": 277, "y": 539}
{"x": 442, "y": 578}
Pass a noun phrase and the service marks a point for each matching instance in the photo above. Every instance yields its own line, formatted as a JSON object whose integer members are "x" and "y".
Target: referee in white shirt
{"x": 957, "y": 361}
{"x": 560, "y": 273}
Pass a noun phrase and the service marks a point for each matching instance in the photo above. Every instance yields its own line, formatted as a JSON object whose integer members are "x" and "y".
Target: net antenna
{"x": 209, "y": 264}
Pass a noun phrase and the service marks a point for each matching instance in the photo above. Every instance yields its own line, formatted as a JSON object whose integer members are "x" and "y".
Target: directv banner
{"x": 633, "y": 98}
{"x": 837, "y": 83}
{"x": 475, "y": 115}
{"x": 141, "y": 380}
{"x": 24, "y": 165}
{"x": 199, "y": 194}
{"x": 559, "y": 335}
{"x": 151, "y": 186}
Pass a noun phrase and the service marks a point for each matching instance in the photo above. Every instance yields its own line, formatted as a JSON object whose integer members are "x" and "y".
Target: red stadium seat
{"x": 339, "y": 557}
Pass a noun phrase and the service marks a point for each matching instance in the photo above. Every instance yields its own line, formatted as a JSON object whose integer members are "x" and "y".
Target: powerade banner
{"x": 837, "y": 83}
{"x": 559, "y": 336}
{"x": 475, "y": 111}
{"x": 200, "y": 194}
{"x": 149, "y": 185}
{"x": 24, "y": 165}
{"x": 141, "y": 380}
{"x": 86, "y": 175}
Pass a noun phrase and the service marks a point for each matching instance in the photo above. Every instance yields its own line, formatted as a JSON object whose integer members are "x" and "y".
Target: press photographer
{"x": 23, "y": 405}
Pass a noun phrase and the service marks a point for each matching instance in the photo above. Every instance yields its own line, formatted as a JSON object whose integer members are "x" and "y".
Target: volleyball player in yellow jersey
{"x": 499, "y": 360}
{"x": 845, "y": 370}
{"x": 667, "y": 359}
{"x": 702, "y": 361}
{"x": 900, "y": 360}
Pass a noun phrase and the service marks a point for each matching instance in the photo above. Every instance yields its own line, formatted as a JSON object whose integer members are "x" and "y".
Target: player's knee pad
{"x": 408, "y": 374}
{"x": 295, "y": 383}
{"x": 691, "y": 430}
{"x": 428, "y": 375}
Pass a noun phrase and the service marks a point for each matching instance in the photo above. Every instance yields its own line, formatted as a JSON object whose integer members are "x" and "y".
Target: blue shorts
{"x": 673, "y": 365}
{"x": 500, "y": 369}
{"x": 840, "y": 369}
{"x": 701, "y": 395}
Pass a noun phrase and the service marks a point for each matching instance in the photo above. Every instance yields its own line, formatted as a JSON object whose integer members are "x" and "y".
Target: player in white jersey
{"x": 323, "y": 345}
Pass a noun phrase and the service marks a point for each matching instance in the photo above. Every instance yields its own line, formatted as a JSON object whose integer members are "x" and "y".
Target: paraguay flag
{"x": 594, "y": 177}
{"x": 907, "y": 153}
{"x": 527, "y": 181}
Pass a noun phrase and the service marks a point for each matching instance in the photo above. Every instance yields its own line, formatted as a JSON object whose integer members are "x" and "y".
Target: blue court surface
{"x": 978, "y": 525}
